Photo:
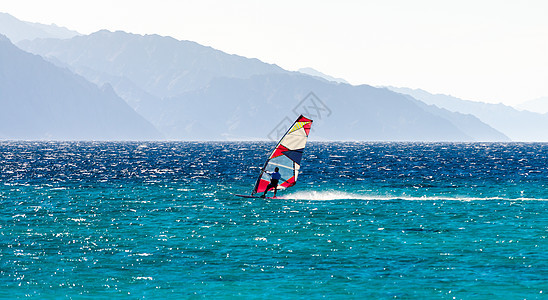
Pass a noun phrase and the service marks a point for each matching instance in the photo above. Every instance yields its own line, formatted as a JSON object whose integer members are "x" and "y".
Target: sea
{"x": 98, "y": 220}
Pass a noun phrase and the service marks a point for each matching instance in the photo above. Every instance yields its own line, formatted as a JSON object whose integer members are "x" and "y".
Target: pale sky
{"x": 484, "y": 50}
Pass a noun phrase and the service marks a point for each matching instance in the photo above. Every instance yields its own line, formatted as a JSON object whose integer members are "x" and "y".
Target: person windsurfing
{"x": 274, "y": 179}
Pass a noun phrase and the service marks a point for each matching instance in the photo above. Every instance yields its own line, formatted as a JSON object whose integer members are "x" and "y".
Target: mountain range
{"x": 539, "y": 105}
{"x": 192, "y": 92}
{"x": 17, "y": 30}
{"x": 316, "y": 73}
{"x": 518, "y": 125}
{"x": 41, "y": 101}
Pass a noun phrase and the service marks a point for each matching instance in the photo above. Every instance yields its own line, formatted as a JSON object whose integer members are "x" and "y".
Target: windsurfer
{"x": 274, "y": 179}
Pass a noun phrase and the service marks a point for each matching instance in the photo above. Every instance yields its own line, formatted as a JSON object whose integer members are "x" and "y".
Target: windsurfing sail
{"x": 286, "y": 156}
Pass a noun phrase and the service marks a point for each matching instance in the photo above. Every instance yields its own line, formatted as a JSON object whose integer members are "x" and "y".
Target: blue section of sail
{"x": 295, "y": 155}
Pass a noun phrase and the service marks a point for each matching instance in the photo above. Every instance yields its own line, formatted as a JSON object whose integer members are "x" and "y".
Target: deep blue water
{"x": 366, "y": 220}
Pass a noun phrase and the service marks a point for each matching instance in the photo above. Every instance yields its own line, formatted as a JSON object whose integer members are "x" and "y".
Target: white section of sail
{"x": 295, "y": 139}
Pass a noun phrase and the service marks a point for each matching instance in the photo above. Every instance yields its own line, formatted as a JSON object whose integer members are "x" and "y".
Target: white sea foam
{"x": 338, "y": 195}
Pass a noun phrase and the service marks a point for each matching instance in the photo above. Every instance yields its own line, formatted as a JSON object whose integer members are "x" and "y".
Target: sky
{"x": 481, "y": 50}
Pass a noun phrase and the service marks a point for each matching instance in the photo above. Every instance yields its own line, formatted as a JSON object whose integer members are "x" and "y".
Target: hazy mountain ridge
{"x": 517, "y": 125}
{"x": 539, "y": 105}
{"x": 316, "y": 73}
{"x": 162, "y": 66}
{"x": 467, "y": 123}
{"x": 190, "y": 91}
{"x": 40, "y": 101}
{"x": 179, "y": 84}
{"x": 17, "y": 30}
{"x": 355, "y": 112}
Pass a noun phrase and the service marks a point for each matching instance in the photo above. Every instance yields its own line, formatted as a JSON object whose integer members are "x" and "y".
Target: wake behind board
{"x": 286, "y": 156}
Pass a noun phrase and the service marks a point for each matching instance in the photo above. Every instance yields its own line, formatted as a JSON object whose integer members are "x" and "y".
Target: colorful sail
{"x": 286, "y": 156}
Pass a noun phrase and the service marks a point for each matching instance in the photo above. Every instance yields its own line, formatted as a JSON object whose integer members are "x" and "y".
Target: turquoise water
{"x": 366, "y": 220}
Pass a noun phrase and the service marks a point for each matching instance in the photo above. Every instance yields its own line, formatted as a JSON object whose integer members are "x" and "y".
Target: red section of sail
{"x": 262, "y": 185}
{"x": 303, "y": 119}
{"x": 279, "y": 151}
{"x": 307, "y": 128}
{"x": 289, "y": 182}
